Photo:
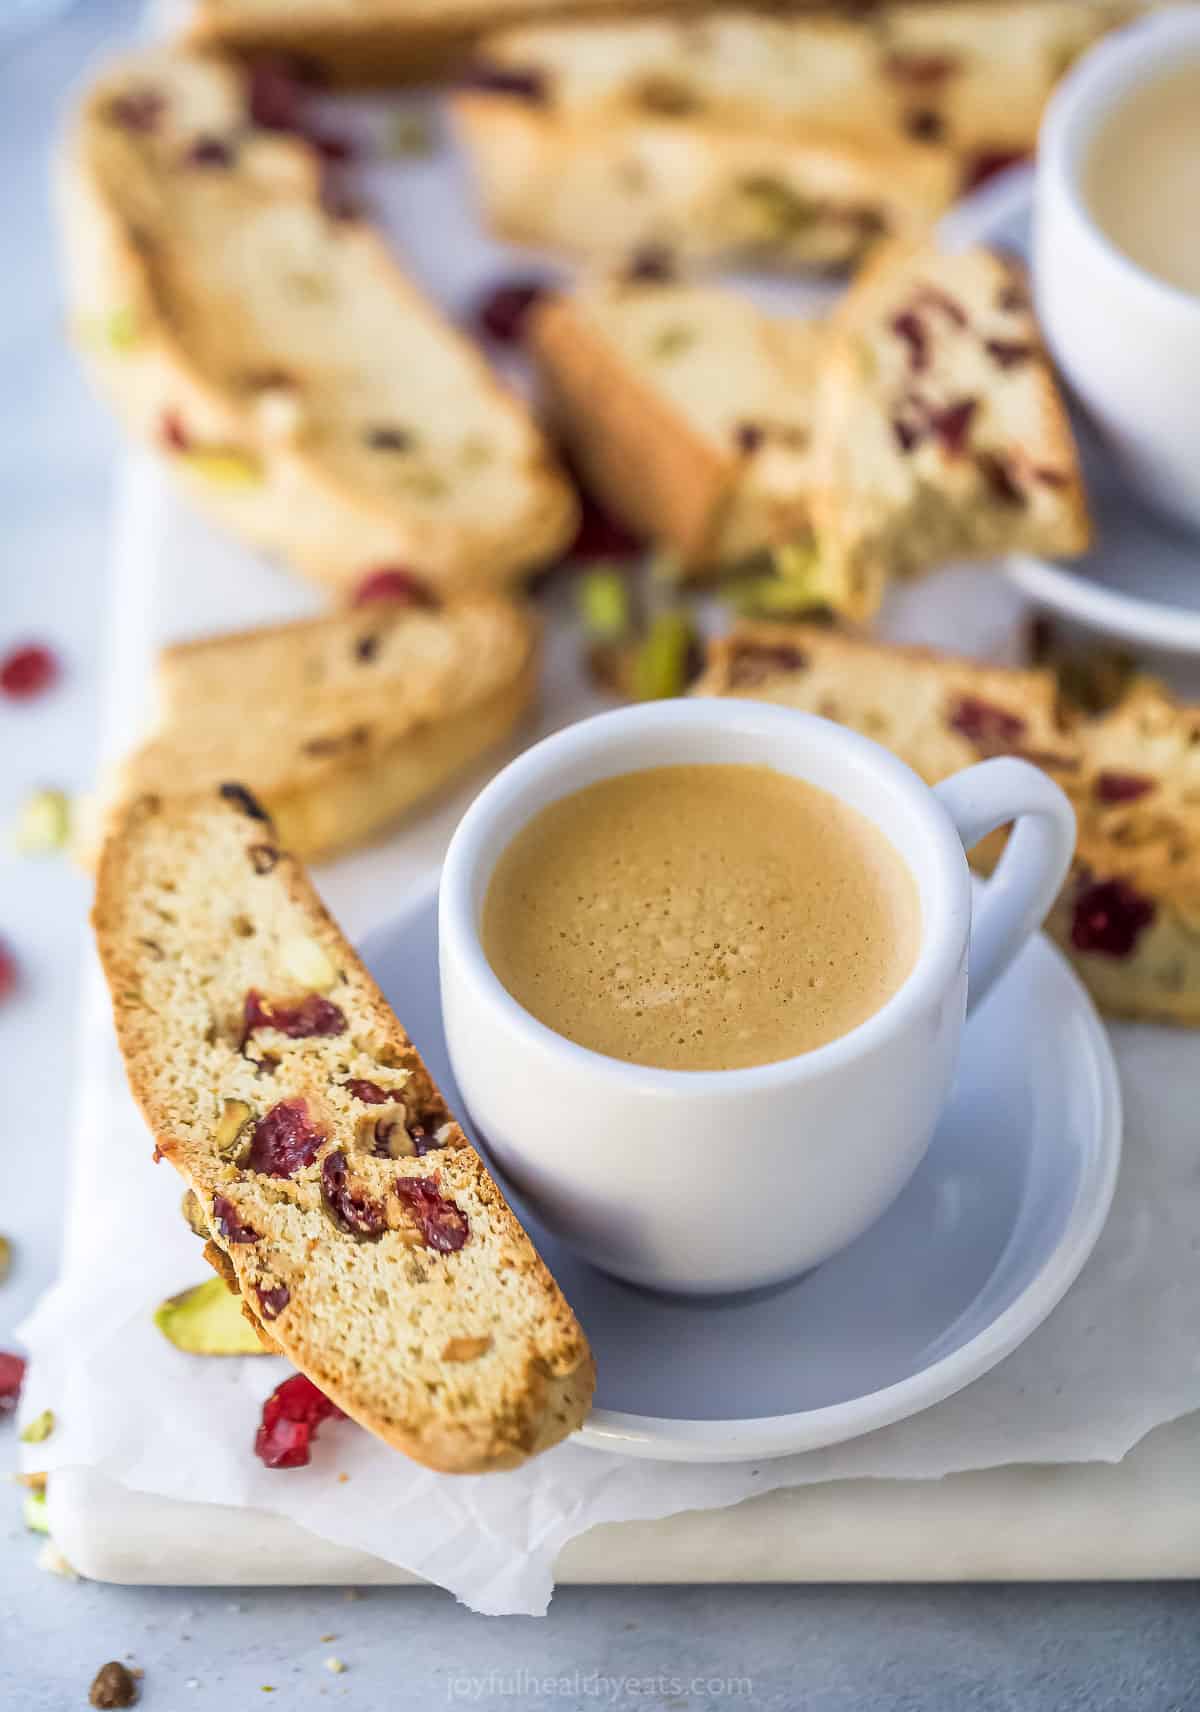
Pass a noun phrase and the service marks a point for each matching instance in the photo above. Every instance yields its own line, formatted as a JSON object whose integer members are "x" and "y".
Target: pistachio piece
{"x": 44, "y": 823}
{"x": 792, "y": 586}
{"x": 223, "y": 466}
{"x": 39, "y": 1429}
{"x": 660, "y": 667}
{"x": 604, "y": 604}
{"x": 307, "y": 963}
{"x": 207, "y": 1320}
{"x": 189, "y": 1206}
{"x": 383, "y": 1132}
{"x": 231, "y": 1142}
{"x": 33, "y": 1512}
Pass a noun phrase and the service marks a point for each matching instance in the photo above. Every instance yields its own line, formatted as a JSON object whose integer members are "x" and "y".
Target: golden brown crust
{"x": 186, "y": 922}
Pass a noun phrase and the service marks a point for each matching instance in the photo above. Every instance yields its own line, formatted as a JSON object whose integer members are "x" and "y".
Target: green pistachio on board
{"x": 39, "y": 1429}
{"x": 44, "y": 824}
{"x": 207, "y": 1320}
{"x": 662, "y": 661}
{"x": 33, "y": 1512}
{"x": 605, "y": 607}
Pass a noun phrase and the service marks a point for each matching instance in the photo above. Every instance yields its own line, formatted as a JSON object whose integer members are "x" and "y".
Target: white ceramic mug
{"x": 718, "y": 1180}
{"x": 1127, "y": 343}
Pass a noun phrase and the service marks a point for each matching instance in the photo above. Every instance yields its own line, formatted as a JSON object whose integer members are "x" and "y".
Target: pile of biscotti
{"x": 251, "y": 328}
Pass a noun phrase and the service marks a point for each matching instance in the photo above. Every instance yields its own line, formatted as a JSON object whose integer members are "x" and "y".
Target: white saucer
{"x": 979, "y": 1248}
{"x": 1141, "y": 581}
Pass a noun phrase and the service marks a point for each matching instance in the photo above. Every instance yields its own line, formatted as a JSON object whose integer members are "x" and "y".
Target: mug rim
{"x": 1114, "y": 67}
{"x": 943, "y": 940}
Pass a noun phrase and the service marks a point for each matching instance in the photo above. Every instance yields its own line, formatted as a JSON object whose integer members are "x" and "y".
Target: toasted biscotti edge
{"x": 554, "y": 1387}
{"x": 345, "y": 798}
{"x": 294, "y": 506}
{"x": 901, "y": 696}
{"x": 641, "y": 457}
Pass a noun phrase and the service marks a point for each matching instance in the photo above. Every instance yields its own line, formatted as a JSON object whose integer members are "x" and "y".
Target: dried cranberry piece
{"x": 523, "y": 84}
{"x": 12, "y": 1377}
{"x": 370, "y": 1093}
{"x": 8, "y": 972}
{"x": 246, "y": 800}
{"x": 952, "y": 425}
{"x": 1109, "y": 918}
{"x": 285, "y": 1140}
{"x": 997, "y": 472}
{"x": 984, "y": 723}
{"x": 140, "y": 110}
{"x": 230, "y": 1223}
{"x": 424, "y": 1141}
{"x": 600, "y": 535}
{"x": 209, "y": 151}
{"x": 337, "y": 150}
{"x": 748, "y": 437}
{"x": 312, "y": 1015}
{"x": 908, "y": 434}
{"x": 920, "y": 68}
{"x": 503, "y": 312}
{"x": 290, "y": 1418}
{"x": 275, "y": 95}
{"x": 27, "y": 671}
{"x": 988, "y": 163}
{"x": 923, "y": 125}
{"x": 1122, "y": 787}
{"x": 172, "y": 432}
{"x": 652, "y": 265}
{"x": 394, "y": 583}
{"x": 908, "y": 326}
{"x": 353, "y": 1209}
{"x": 442, "y": 1224}
{"x": 273, "y": 1302}
{"x": 755, "y": 663}
{"x": 1009, "y": 353}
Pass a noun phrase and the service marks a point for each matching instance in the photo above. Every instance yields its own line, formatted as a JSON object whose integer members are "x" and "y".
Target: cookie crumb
{"x": 114, "y": 1686}
{"x": 325, "y": 1639}
{"x": 335, "y": 1665}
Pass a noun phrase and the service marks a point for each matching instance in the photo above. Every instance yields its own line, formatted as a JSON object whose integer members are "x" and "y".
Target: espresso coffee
{"x": 701, "y": 917}
{"x": 1142, "y": 176}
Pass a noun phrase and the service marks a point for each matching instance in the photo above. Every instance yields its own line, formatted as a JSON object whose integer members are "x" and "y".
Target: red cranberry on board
{"x": 443, "y": 1225}
{"x": 12, "y": 1377}
{"x": 392, "y": 582}
{"x": 285, "y": 1140}
{"x": 8, "y": 971}
{"x": 290, "y": 1418}
{"x": 311, "y": 1016}
{"x": 27, "y": 671}
{"x": 1110, "y": 917}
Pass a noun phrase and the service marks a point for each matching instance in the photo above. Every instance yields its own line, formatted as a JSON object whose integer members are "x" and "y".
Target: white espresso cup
{"x": 1127, "y": 343}
{"x": 719, "y": 1180}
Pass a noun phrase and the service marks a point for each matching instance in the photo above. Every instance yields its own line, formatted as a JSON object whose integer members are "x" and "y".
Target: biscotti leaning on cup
{"x": 302, "y": 390}
{"x": 940, "y": 429}
{"x": 687, "y": 409}
{"x": 1129, "y": 915}
{"x": 338, "y": 724}
{"x": 793, "y": 141}
{"x": 362, "y": 1230}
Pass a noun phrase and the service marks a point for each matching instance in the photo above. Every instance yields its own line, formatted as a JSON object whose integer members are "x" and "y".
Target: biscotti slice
{"x": 1129, "y": 915}
{"x": 363, "y": 1230}
{"x": 940, "y": 431}
{"x": 687, "y": 409}
{"x": 302, "y": 390}
{"x": 378, "y": 41}
{"x": 339, "y": 724}
{"x": 735, "y": 135}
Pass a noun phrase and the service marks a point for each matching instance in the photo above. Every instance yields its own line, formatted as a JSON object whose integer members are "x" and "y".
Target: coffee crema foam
{"x": 701, "y": 917}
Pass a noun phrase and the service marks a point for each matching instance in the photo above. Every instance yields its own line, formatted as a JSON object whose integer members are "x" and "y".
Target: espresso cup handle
{"x": 1017, "y": 898}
